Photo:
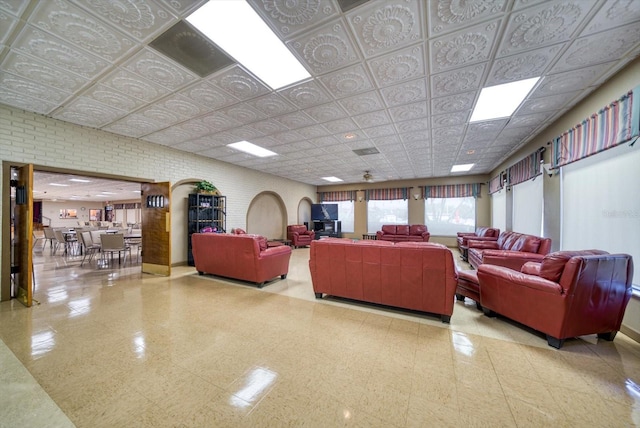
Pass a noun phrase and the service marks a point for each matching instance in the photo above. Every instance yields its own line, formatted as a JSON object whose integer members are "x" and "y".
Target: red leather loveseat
{"x": 511, "y": 250}
{"x": 403, "y": 233}
{"x": 244, "y": 257}
{"x": 299, "y": 235}
{"x": 568, "y": 294}
{"x": 411, "y": 275}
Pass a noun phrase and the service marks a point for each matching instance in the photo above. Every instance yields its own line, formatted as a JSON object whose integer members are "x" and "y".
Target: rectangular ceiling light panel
{"x": 252, "y": 149}
{"x": 235, "y": 27}
{"x": 501, "y": 101}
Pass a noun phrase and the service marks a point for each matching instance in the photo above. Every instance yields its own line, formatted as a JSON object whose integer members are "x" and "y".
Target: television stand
{"x": 328, "y": 234}
{"x": 327, "y": 228}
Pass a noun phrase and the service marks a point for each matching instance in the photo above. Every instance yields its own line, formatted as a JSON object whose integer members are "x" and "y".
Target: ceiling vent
{"x": 191, "y": 49}
{"x": 346, "y": 5}
{"x": 367, "y": 151}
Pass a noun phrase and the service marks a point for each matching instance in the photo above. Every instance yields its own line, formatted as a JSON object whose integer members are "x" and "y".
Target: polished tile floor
{"x": 111, "y": 347}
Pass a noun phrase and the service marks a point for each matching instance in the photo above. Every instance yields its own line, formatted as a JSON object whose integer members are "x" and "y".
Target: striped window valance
{"x": 615, "y": 124}
{"x": 525, "y": 169}
{"x": 452, "y": 191}
{"x": 386, "y": 194}
{"x": 495, "y": 184}
{"x": 344, "y": 195}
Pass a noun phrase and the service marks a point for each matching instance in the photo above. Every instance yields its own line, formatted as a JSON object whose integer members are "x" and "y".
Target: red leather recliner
{"x": 568, "y": 294}
{"x": 299, "y": 235}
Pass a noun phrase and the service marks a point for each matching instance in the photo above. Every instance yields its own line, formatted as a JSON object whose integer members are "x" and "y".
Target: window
{"x": 345, "y": 215}
{"x": 528, "y": 207}
{"x": 499, "y": 210}
{"x": 447, "y": 216}
{"x": 394, "y": 211}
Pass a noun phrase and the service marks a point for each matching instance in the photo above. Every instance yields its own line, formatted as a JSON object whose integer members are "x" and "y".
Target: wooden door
{"x": 22, "y": 239}
{"x": 156, "y": 228}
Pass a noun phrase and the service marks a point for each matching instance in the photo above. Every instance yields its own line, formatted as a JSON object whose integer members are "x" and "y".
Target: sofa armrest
{"x": 466, "y": 234}
{"x": 511, "y": 259}
{"x": 506, "y": 277}
{"x": 426, "y": 236}
{"x": 482, "y": 244}
{"x": 311, "y": 233}
{"x": 274, "y": 251}
{"x": 484, "y": 238}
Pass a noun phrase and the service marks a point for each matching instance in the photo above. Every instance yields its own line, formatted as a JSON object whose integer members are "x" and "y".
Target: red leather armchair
{"x": 568, "y": 294}
{"x": 299, "y": 235}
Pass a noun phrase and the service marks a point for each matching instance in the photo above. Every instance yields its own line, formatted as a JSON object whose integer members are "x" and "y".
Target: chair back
{"x": 86, "y": 238}
{"x": 49, "y": 233}
{"x": 112, "y": 241}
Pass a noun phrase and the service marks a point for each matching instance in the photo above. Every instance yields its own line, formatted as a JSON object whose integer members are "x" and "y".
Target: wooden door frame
{"x": 5, "y": 280}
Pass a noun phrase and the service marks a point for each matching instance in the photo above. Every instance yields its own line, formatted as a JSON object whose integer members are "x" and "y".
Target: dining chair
{"x": 111, "y": 243}
{"x": 48, "y": 236}
{"x": 90, "y": 247}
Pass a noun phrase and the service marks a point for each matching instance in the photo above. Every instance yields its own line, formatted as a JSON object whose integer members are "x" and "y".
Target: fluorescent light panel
{"x": 332, "y": 179}
{"x": 236, "y": 28}
{"x": 252, "y": 149}
{"x": 79, "y": 180}
{"x": 462, "y": 168}
{"x": 501, "y": 101}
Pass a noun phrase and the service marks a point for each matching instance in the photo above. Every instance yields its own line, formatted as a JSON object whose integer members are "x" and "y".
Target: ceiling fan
{"x": 367, "y": 177}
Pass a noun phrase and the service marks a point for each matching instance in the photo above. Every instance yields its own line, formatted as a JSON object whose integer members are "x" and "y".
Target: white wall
{"x": 52, "y": 209}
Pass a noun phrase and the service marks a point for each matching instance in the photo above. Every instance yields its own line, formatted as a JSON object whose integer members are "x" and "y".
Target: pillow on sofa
{"x": 262, "y": 242}
{"x": 402, "y": 229}
{"x": 389, "y": 228}
{"x": 527, "y": 243}
{"x": 531, "y": 268}
{"x": 553, "y": 264}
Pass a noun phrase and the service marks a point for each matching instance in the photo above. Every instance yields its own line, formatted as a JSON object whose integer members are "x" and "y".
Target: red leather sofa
{"x": 299, "y": 235}
{"x": 403, "y": 233}
{"x": 568, "y": 294}
{"x": 419, "y": 276}
{"x": 481, "y": 233}
{"x": 511, "y": 250}
{"x": 244, "y": 257}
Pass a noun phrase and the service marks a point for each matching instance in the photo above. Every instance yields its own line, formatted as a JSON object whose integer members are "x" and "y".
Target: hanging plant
{"x": 205, "y": 187}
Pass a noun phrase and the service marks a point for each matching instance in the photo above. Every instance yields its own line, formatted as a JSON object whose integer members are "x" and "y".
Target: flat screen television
{"x": 321, "y": 212}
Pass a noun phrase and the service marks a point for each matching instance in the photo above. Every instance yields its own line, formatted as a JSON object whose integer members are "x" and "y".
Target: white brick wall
{"x": 30, "y": 138}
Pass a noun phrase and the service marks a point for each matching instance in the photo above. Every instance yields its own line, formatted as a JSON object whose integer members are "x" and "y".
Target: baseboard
{"x": 183, "y": 263}
{"x": 630, "y": 332}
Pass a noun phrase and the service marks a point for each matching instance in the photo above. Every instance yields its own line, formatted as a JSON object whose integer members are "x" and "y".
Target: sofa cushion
{"x": 262, "y": 242}
{"x": 402, "y": 229}
{"x": 531, "y": 268}
{"x": 389, "y": 228}
{"x": 417, "y": 229}
{"x": 553, "y": 264}
{"x": 527, "y": 243}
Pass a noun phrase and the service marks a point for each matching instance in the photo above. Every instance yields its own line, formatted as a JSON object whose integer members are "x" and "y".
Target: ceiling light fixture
{"x": 501, "y": 101}
{"x": 58, "y": 184}
{"x": 252, "y": 149}
{"x": 462, "y": 168}
{"x": 332, "y": 179}
{"x": 236, "y": 28}
{"x": 79, "y": 180}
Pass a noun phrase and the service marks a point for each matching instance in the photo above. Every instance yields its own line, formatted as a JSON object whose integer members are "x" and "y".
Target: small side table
{"x": 465, "y": 253}
{"x": 370, "y": 236}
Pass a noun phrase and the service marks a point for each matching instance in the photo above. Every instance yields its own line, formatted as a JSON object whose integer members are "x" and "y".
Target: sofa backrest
{"x": 417, "y": 229}
{"x": 514, "y": 241}
{"x": 552, "y": 266}
{"x": 296, "y": 228}
{"x": 488, "y": 232}
{"x": 389, "y": 228}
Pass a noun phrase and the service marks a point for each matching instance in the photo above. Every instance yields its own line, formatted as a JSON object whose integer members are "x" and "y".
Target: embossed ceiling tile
{"x": 295, "y": 120}
{"x": 326, "y": 142}
{"x": 209, "y": 96}
{"x": 569, "y": 81}
{"x": 447, "y": 132}
{"x": 459, "y": 80}
{"x": 13, "y": 7}
{"x": 87, "y": 112}
{"x": 20, "y": 85}
{"x": 516, "y": 134}
{"x": 7, "y": 24}
{"x": 545, "y": 104}
{"x": 410, "y": 111}
{"x": 287, "y": 18}
{"x": 325, "y": 49}
{"x": 168, "y": 137}
{"x": 159, "y": 69}
{"x": 409, "y": 92}
{"x": 113, "y": 98}
{"x": 243, "y": 113}
{"x": 246, "y": 133}
{"x": 218, "y": 121}
{"x": 239, "y": 83}
{"x": 287, "y": 137}
{"x": 41, "y": 72}
{"x": 368, "y": 120}
{"x": 193, "y": 129}
{"x": 193, "y": 146}
{"x": 453, "y": 103}
{"x": 415, "y": 137}
{"x": 400, "y": 66}
{"x": 341, "y": 125}
{"x": 389, "y": 142}
{"x": 139, "y": 19}
{"x": 78, "y": 27}
{"x": 380, "y": 131}
{"x": 362, "y": 103}
{"x": 36, "y": 43}
{"x": 485, "y": 130}
{"x": 312, "y": 131}
{"x": 182, "y": 106}
{"x": 134, "y": 85}
{"x": 613, "y": 13}
{"x": 306, "y": 94}
{"x": 522, "y": 66}
{"x": 449, "y": 119}
{"x": 413, "y": 125}
{"x": 135, "y": 125}
{"x": 26, "y": 102}
{"x": 183, "y": 7}
{"x": 268, "y": 127}
{"x": 348, "y": 81}
{"x": 382, "y": 26}
{"x": 521, "y": 120}
{"x": 448, "y": 15}
{"x": 272, "y": 105}
{"x": 598, "y": 48}
{"x": 159, "y": 115}
{"x": 549, "y": 23}
{"x": 326, "y": 112}
{"x": 448, "y": 143}
{"x": 470, "y": 46}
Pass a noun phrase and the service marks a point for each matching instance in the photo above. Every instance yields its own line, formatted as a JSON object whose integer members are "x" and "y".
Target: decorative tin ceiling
{"x": 400, "y": 76}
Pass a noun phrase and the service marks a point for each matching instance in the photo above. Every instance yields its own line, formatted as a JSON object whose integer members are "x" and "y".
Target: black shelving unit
{"x": 205, "y": 211}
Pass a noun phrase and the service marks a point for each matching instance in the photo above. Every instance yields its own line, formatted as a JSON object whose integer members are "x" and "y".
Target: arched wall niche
{"x": 304, "y": 211}
{"x": 267, "y": 216}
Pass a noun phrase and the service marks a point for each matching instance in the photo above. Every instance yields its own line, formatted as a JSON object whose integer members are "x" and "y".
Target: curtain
{"x": 495, "y": 184}
{"x": 387, "y": 194}
{"x": 345, "y": 195}
{"x": 615, "y": 124}
{"x": 452, "y": 191}
{"x": 525, "y": 169}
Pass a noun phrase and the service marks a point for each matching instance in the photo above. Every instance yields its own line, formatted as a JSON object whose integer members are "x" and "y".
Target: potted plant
{"x": 205, "y": 187}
